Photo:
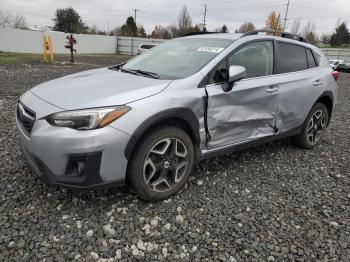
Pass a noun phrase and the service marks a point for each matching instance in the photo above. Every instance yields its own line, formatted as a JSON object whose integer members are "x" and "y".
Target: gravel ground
{"x": 269, "y": 203}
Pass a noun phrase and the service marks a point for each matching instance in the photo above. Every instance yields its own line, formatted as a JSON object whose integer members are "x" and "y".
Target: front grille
{"x": 26, "y": 117}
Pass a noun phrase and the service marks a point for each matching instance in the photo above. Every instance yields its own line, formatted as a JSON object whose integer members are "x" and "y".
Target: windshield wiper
{"x": 146, "y": 73}
{"x": 129, "y": 71}
{"x": 140, "y": 72}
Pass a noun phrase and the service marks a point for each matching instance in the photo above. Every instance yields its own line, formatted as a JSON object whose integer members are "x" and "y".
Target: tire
{"x": 161, "y": 163}
{"x": 313, "y": 128}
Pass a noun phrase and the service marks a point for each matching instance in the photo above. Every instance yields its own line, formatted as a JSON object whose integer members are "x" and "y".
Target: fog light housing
{"x": 76, "y": 165}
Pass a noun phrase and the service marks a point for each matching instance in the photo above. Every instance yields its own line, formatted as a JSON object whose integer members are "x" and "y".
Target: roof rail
{"x": 199, "y": 33}
{"x": 274, "y": 32}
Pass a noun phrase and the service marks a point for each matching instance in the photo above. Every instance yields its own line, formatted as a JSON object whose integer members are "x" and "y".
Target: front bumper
{"x": 72, "y": 158}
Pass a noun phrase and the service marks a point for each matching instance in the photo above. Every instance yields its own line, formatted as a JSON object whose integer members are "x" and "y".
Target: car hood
{"x": 97, "y": 88}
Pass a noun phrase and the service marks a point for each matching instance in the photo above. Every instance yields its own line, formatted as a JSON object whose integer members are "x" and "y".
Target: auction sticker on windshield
{"x": 210, "y": 49}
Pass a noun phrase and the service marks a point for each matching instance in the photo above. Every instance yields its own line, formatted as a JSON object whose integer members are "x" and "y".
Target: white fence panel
{"x": 129, "y": 45}
{"x": 28, "y": 41}
{"x": 337, "y": 53}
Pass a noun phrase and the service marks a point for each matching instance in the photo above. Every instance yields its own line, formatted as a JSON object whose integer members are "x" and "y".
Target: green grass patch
{"x": 17, "y": 58}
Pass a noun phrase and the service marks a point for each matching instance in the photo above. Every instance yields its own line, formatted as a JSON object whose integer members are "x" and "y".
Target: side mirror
{"x": 235, "y": 73}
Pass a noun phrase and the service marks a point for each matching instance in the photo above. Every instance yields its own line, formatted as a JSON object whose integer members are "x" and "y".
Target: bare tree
{"x": 326, "y": 39}
{"x": 309, "y": 32}
{"x": 5, "y": 19}
{"x": 10, "y": 21}
{"x": 161, "y": 32}
{"x": 19, "y": 22}
{"x": 184, "y": 21}
{"x": 174, "y": 31}
{"x": 295, "y": 29}
{"x": 92, "y": 30}
{"x": 246, "y": 27}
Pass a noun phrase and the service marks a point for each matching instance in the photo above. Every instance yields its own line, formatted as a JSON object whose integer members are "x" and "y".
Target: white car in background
{"x": 144, "y": 47}
{"x": 334, "y": 62}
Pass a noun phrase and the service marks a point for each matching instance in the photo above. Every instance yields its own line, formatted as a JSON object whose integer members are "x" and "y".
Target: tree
{"x": 141, "y": 32}
{"x": 341, "y": 36}
{"x": 116, "y": 31}
{"x": 69, "y": 21}
{"x": 184, "y": 21}
{"x": 92, "y": 30}
{"x": 295, "y": 29}
{"x": 10, "y": 21}
{"x": 195, "y": 28}
{"x": 309, "y": 32}
{"x": 174, "y": 31}
{"x": 326, "y": 39}
{"x": 246, "y": 27}
{"x": 129, "y": 28}
{"x": 160, "y": 32}
{"x": 156, "y": 33}
{"x": 224, "y": 29}
{"x": 273, "y": 22}
{"x": 19, "y": 22}
{"x": 5, "y": 19}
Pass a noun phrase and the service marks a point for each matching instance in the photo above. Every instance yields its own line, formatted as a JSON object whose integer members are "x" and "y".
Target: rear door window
{"x": 310, "y": 59}
{"x": 292, "y": 58}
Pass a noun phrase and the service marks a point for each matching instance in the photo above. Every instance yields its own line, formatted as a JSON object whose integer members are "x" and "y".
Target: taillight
{"x": 335, "y": 75}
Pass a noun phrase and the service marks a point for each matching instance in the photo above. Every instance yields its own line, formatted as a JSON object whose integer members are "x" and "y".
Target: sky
{"x": 111, "y": 13}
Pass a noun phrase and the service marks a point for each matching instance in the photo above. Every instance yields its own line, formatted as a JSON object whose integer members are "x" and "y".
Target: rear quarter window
{"x": 292, "y": 58}
{"x": 311, "y": 63}
{"x": 318, "y": 58}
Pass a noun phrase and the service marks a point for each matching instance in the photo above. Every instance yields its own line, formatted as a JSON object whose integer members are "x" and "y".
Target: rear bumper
{"x": 72, "y": 158}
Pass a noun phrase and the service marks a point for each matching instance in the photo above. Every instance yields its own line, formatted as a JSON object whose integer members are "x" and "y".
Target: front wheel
{"x": 314, "y": 127}
{"x": 161, "y": 163}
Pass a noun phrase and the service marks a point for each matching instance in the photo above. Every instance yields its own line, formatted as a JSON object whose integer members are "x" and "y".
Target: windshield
{"x": 178, "y": 58}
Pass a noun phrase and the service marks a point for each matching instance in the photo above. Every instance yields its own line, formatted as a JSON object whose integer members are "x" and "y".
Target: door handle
{"x": 273, "y": 89}
{"x": 318, "y": 83}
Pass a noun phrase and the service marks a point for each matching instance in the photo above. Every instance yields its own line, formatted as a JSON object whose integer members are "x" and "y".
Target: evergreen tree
{"x": 129, "y": 28}
{"x": 69, "y": 21}
{"x": 224, "y": 29}
{"x": 341, "y": 36}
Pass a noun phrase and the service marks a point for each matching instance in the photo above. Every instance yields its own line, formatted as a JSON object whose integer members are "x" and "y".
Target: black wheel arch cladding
{"x": 327, "y": 99}
{"x": 182, "y": 113}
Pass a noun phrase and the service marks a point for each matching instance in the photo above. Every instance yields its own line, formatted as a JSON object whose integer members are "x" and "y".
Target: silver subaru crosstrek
{"x": 145, "y": 123}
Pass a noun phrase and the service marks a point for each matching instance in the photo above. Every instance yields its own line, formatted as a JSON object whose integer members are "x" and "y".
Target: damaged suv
{"x": 145, "y": 123}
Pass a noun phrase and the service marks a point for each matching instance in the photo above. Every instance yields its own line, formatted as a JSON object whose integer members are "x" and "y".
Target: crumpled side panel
{"x": 240, "y": 115}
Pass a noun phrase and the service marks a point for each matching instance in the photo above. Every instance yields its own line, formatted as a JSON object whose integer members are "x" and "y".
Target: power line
{"x": 285, "y": 17}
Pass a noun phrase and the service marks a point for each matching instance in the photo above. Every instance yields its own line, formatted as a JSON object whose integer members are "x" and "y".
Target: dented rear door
{"x": 245, "y": 113}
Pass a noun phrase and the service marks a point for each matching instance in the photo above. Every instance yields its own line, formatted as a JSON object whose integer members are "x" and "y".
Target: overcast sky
{"x": 324, "y": 13}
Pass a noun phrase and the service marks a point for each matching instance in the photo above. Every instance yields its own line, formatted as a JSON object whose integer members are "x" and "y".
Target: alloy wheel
{"x": 316, "y": 126}
{"x": 165, "y": 164}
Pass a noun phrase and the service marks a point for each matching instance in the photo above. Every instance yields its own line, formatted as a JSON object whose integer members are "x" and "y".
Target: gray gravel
{"x": 270, "y": 203}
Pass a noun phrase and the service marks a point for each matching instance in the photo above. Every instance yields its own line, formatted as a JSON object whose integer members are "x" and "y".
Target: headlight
{"x": 88, "y": 119}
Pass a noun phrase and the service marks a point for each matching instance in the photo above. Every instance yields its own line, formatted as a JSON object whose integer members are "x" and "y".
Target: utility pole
{"x": 285, "y": 17}
{"x": 205, "y": 16}
{"x": 135, "y": 14}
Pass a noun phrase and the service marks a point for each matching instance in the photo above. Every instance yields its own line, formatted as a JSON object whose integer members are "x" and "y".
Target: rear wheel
{"x": 314, "y": 127}
{"x": 161, "y": 164}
